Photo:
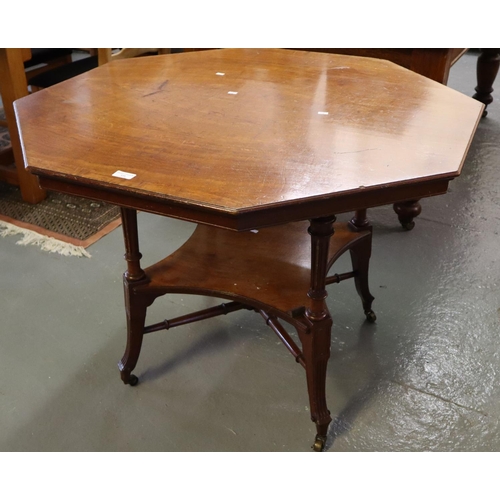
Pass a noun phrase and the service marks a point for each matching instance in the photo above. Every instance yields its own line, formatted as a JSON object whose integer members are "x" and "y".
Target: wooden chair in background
{"x": 107, "y": 55}
{"x": 15, "y": 65}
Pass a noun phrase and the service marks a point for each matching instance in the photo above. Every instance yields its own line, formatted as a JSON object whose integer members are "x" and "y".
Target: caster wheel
{"x": 133, "y": 380}
{"x": 319, "y": 444}
{"x": 371, "y": 316}
{"x": 408, "y": 226}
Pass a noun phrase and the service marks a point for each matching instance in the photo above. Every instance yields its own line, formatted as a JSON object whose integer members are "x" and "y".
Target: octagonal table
{"x": 250, "y": 144}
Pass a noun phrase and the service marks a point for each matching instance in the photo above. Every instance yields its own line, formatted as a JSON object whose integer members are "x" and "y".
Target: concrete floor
{"x": 425, "y": 377}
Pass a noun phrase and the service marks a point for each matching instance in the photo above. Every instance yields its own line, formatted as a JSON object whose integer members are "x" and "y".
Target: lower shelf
{"x": 269, "y": 267}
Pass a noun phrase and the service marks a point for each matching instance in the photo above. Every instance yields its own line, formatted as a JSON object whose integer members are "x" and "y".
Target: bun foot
{"x": 408, "y": 226}
{"x": 319, "y": 443}
{"x": 370, "y": 316}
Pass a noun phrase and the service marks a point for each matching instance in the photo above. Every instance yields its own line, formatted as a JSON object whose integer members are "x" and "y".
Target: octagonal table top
{"x": 234, "y": 132}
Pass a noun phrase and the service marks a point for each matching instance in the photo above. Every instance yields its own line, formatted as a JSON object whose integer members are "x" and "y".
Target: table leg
{"x": 317, "y": 338}
{"x": 487, "y": 68}
{"x": 407, "y": 211}
{"x": 360, "y": 258}
{"x": 135, "y": 303}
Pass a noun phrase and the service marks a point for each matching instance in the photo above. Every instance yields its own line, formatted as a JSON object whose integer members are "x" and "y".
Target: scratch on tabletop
{"x": 160, "y": 89}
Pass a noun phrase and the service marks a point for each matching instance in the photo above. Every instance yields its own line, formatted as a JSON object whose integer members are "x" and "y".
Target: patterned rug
{"x": 61, "y": 223}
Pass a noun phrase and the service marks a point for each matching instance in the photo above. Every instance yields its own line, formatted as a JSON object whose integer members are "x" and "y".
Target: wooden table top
{"x": 240, "y": 138}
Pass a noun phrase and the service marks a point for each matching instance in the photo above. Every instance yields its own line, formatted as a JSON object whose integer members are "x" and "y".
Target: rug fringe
{"x": 46, "y": 243}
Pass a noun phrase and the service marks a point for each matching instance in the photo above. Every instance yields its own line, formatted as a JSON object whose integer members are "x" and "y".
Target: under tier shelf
{"x": 270, "y": 267}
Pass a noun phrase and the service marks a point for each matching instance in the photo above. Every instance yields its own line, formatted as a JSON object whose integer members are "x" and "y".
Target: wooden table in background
{"x": 250, "y": 144}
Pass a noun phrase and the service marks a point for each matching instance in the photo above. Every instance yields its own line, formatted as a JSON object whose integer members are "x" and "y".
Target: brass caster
{"x": 319, "y": 444}
{"x": 408, "y": 226}
{"x": 370, "y": 316}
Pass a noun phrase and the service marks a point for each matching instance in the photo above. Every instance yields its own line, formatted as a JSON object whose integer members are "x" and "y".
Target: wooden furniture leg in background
{"x": 13, "y": 86}
{"x": 487, "y": 69}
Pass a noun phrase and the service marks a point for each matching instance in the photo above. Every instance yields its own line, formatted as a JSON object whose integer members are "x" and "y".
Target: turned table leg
{"x": 360, "y": 258}
{"x": 135, "y": 304}
{"x": 487, "y": 68}
{"x": 316, "y": 339}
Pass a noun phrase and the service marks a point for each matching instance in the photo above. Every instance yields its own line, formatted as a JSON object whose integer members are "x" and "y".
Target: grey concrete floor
{"x": 425, "y": 377}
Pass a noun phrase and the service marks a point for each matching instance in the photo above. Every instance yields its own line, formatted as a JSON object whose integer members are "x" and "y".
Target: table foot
{"x": 407, "y": 211}
{"x": 370, "y": 316}
{"x": 129, "y": 378}
{"x": 319, "y": 443}
{"x": 321, "y": 435}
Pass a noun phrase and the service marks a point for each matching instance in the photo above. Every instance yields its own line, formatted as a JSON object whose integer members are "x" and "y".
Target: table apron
{"x": 244, "y": 220}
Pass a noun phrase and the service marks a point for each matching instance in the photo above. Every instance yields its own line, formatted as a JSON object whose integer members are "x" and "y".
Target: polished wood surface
{"x": 433, "y": 63}
{"x": 176, "y": 124}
